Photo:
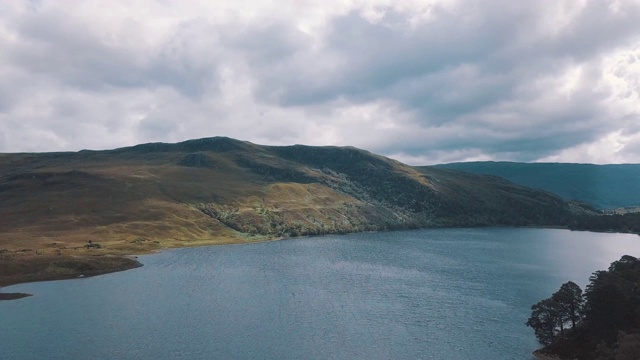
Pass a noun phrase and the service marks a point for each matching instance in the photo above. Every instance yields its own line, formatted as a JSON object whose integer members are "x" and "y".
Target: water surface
{"x": 423, "y": 294}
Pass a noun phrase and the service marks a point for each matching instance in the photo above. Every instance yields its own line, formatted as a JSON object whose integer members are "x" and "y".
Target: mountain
{"x": 221, "y": 190}
{"x": 603, "y": 186}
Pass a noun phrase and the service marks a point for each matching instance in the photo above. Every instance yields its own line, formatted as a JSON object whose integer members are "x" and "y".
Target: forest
{"x": 626, "y": 223}
{"x": 603, "y": 323}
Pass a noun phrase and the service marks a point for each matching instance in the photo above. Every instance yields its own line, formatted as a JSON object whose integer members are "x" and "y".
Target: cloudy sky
{"x": 422, "y": 81}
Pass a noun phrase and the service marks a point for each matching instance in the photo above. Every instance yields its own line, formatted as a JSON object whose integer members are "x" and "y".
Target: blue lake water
{"x": 423, "y": 294}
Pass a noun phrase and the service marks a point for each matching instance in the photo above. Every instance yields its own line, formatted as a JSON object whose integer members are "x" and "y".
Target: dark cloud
{"x": 69, "y": 50}
{"x": 54, "y": 45}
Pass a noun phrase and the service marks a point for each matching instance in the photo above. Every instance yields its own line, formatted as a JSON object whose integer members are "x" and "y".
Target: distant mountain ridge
{"x": 222, "y": 190}
{"x": 603, "y": 186}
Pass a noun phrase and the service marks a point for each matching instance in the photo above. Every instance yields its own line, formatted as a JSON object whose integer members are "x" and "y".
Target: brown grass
{"x": 29, "y": 266}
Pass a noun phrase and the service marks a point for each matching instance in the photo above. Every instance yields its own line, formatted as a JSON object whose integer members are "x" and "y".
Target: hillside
{"x": 220, "y": 190}
{"x": 603, "y": 186}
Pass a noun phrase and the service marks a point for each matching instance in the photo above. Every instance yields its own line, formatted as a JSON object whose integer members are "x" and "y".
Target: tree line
{"x": 627, "y": 223}
{"x": 603, "y": 323}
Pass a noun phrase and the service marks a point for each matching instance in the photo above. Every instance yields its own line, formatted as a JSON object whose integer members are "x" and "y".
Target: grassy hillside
{"x": 603, "y": 186}
{"x": 220, "y": 190}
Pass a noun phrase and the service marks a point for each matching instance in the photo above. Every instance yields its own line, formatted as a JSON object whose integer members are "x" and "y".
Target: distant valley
{"x": 603, "y": 186}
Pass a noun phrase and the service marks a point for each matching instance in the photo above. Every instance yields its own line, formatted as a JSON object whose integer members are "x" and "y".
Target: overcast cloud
{"x": 423, "y": 81}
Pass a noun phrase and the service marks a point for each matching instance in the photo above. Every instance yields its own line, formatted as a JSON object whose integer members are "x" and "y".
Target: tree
{"x": 549, "y": 316}
{"x": 613, "y": 298}
{"x": 628, "y": 346}
{"x": 608, "y": 319}
{"x": 569, "y": 300}
{"x": 544, "y": 320}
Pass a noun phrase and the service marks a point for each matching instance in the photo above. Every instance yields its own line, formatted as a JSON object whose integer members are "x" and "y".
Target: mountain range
{"x": 603, "y": 186}
{"x": 221, "y": 190}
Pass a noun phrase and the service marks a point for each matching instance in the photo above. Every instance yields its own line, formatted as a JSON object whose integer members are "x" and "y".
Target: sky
{"x": 421, "y": 81}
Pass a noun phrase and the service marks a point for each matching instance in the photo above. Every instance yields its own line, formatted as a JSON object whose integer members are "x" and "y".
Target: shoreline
{"x": 23, "y": 269}
{"x": 13, "y": 296}
{"x": 37, "y": 265}
{"x": 539, "y": 355}
{"x": 26, "y": 268}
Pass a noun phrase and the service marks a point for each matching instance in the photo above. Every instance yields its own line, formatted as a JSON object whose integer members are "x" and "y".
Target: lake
{"x": 422, "y": 294}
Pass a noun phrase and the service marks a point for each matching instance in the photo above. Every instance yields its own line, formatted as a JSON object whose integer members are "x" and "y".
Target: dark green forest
{"x": 626, "y": 223}
{"x": 603, "y": 323}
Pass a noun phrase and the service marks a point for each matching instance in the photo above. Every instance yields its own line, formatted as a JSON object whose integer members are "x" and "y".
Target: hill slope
{"x": 221, "y": 190}
{"x": 603, "y": 186}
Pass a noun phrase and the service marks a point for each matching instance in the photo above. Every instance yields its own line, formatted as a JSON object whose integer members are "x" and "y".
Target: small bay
{"x": 420, "y": 294}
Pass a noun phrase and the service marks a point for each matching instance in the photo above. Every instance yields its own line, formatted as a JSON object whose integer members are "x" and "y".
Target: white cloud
{"x": 608, "y": 149}
{"x": 621, "y": 80}
{"x": 421, "y": 80}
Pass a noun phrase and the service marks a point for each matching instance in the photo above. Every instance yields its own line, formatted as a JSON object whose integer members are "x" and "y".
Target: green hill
{"x": 603, "y": 186}
{"x": 221, "y": 190}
